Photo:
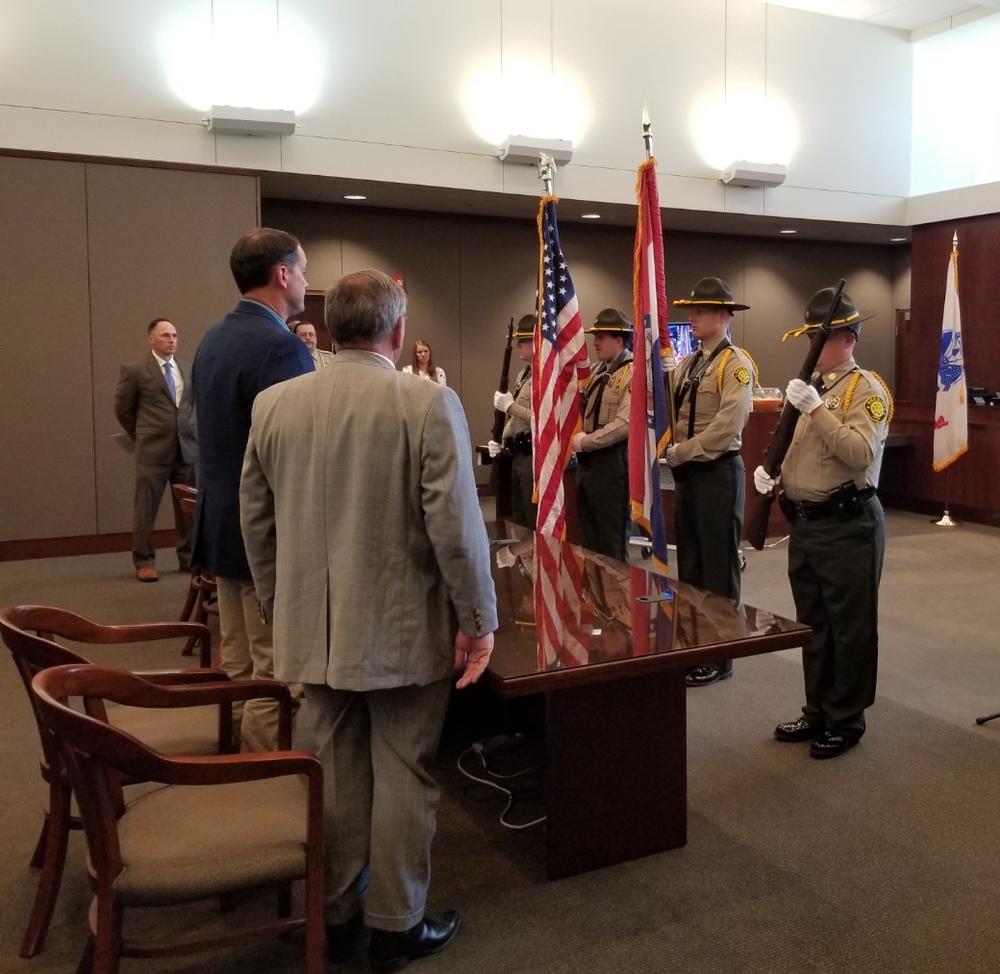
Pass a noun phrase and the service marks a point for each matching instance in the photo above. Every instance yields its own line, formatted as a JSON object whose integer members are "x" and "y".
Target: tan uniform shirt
{"x": 721, "y": 410}
{"x": 843, "y": 438}
{"x": 606, "y": 423}
{"x": 519, "y": 414}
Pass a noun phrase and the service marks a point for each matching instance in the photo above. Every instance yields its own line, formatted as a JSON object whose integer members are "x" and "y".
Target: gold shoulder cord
{"x": 849, "y": 395}
{"x": 721, "y": 370}
{"x": 753, "y": 365}
{"x": 888, "y": 394}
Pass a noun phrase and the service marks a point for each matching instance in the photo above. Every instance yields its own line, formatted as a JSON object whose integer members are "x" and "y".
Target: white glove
{"x": 576, "y": 442}
{"x": 502, "y": 401}
{"x": 671, "y": 456}
{"x": 802, "y": 396}
{"x": 495, "y": 448}
{"x": 763, "y": 481}
{"x": 505, "y": 557}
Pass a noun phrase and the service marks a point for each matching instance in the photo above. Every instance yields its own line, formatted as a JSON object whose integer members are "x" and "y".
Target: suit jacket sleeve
{"x": 452, "y": 516}
{"x": 257, "y": 522}
{"x": 127, "y": 400}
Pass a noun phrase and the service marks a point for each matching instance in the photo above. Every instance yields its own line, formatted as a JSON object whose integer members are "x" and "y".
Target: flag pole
{"x": 647, "y": 131}
{"x": 946, "y": 520}
{"x": 546, "y": 171}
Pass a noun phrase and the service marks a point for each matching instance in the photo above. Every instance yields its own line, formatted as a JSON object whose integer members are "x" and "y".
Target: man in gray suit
{"x": 153, "y": 403}
{"x": 367, "y": 545}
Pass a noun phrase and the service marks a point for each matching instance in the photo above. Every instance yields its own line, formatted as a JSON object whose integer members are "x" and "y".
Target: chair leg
{"x": 86, "y": 965}
{"x": 38, "y": 856}
{"x": 108, "y": 935}
{"x": 198, "y": 614}
{"x": 189, "y": 602}
{"x": 56, "y": 832}
{"x": 315, "y": 922}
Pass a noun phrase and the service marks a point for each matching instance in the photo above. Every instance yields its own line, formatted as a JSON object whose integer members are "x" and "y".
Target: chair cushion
{"x": 192, "y": 731}
{"x": 188, "y": 842}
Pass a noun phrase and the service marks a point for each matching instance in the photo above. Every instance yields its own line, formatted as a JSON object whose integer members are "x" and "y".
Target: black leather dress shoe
{"x": 831, "y": 745}
{"x": 708, "y": 673}
{"x": 342, "y": 938}
{"x": 800, "y": 729}
{"x": 392, "y": 951}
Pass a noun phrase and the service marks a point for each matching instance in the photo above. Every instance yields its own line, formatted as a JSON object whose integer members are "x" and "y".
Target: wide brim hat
{"x": 712, "y": 292}
{"x": 525, "y": 328}
{"x": 845, "y": 316}
{"x": 610, "y": 321}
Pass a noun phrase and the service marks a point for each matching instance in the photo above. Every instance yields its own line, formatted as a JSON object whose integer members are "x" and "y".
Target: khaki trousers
{"x": 380, "y": 799}
{"x": 247, "y": 653}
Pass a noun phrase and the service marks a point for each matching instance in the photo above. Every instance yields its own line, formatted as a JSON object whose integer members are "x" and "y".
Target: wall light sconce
{"x": 228, "y": 120}
{"x": 753, "y": 175}
{"x": 526, "y": 149}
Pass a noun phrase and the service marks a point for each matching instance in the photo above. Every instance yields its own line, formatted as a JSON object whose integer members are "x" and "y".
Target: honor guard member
{"x": 602, "y": 448}
{"x": 828, "y": 481}
{"x": 517, "y": 429}
{"x": 712, "y": 392}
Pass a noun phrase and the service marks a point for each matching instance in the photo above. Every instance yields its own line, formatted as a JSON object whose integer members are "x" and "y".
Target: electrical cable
{"x": 477, "y": 749}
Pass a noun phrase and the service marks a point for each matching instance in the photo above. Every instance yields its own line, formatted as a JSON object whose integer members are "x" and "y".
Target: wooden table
{"x": 611, "y": 670}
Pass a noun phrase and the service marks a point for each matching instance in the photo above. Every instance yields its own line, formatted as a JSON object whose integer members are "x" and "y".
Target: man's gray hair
{"x": 363, "y": 308}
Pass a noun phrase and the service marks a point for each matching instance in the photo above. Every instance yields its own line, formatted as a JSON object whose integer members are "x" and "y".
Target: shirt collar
{"x": 260, "y": 304}
{"x": 163, "y": 361}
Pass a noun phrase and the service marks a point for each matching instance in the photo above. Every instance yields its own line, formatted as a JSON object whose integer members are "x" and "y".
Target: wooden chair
{"x": 221, "y": 824}
{"x": 200, "y": 601}
{"x": 29, "y": 633}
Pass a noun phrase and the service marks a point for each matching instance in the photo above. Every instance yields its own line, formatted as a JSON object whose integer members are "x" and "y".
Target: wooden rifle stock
{"x": 781, "y": 439}
{"x": 500, "y": 473}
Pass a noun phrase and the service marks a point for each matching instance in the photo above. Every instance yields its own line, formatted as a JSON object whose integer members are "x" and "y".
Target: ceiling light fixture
{"x": 590, "y": 216}
{"x": 788, "y": 231}
{"x": 227, "y": 120}
{"x": 897, "y": 240}
{"x": 354, "y": 196}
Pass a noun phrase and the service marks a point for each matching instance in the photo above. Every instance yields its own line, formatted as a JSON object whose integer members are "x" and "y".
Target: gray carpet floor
{"x": 884, "y": 860}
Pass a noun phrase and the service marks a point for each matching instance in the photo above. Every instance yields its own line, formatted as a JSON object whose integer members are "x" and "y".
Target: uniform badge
{"x": 831, "y": 376}
{"x": 876, "y": 408}
{"x": 708, "y": 372}
{"x": 832, "y": 401}
{"x": 742, "y": 375}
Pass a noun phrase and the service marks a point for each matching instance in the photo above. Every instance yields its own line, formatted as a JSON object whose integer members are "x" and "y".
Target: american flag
{"x": 563, "y": 619}
{"x": 558, "y": 367}
{"x": 649, "y": 421}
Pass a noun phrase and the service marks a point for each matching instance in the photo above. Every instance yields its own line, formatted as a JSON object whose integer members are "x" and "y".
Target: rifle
{"x": 781, "y": 439}
{"x": 499, "y": 418}
{"x": 500, "y": 465}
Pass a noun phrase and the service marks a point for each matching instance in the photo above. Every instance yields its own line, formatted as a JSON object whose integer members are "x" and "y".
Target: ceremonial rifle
{"x": 781, "y": 439}
{"x": 500, "y": 469}
{"x": 500, "y": 418}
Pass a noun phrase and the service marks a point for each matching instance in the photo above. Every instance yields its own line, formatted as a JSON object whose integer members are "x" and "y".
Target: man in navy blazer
{"x": 248, "y": 351}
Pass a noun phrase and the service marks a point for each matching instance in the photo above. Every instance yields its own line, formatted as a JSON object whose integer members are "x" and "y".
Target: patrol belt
{"x": 691, "y": 383}
{"x": 599, "y": 384}
{"x": 844, "y": 504}
{"x": 519, "y": 442}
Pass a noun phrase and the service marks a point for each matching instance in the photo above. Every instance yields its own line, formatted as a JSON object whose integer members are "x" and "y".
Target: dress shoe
{"x": 708, "y": 673}
{"x": 831, "y": 745}
{"x": 800, "y": 729}
{"x": 392, "y": 951}
{"x": 147, "y": 574}
{"x": 342, "y": 938}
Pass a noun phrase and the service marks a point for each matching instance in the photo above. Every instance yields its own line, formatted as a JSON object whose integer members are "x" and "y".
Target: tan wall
{"x": 466, "y": 276}
{"x": 89, "y": 254}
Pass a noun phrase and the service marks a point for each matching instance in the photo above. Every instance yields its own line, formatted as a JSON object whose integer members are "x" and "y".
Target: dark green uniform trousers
{"x": 834, "y": 568}
{"x": 522, "y": 485}
{"x": 602, "y": 500}
{"x": 708, "y": 524}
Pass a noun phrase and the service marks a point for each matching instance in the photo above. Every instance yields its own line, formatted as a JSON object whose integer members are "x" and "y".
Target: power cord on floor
{"x": 480, "y": 749}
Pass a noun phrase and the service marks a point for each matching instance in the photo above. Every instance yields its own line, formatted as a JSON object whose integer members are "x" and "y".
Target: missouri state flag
{"x": 951, "y": 427}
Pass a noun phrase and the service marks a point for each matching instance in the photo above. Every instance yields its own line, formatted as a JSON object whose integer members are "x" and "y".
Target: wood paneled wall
{"x": 908, "y": 479}
{"x": 89, "y": 254}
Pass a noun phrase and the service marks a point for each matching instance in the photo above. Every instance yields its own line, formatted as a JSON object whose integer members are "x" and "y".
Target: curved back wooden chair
{"x": 200, "y": 602}
{"x": 29, "y": 632}
{"x": 221, "y": 823}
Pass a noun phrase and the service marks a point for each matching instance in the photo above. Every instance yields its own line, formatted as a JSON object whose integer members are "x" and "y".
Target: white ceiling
{"x": 900, "y": 14}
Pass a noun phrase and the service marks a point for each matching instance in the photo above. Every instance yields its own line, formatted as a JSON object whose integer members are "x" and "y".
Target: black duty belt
{"x": 844, "y": 504}
{"x": 519, "y": 442}
{"x": 708, "y": 464}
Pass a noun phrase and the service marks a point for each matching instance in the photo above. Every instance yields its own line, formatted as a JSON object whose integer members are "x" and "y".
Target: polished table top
{"x": 569, "y": 616}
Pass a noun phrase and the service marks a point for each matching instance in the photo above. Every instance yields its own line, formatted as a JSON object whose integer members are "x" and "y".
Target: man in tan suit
{"x": 153, "y": 403}
{"x": 368, "y": 549}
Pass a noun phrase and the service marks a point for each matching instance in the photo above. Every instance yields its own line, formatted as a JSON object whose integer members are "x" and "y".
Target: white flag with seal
{"x": 951, "y": 427}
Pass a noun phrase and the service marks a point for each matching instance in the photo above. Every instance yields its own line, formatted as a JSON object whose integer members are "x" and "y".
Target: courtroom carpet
{"x": 885, "y": 860}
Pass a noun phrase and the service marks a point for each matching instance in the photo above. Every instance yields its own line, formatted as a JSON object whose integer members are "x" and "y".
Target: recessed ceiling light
{"x": 788, "y": 231}
{"x": 897, "y": 240}
{"x": 590, "y": 216}
{"x": 354, "y": 196}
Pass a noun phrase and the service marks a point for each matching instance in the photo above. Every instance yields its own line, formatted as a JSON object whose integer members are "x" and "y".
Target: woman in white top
{"x": 423, "y": 364}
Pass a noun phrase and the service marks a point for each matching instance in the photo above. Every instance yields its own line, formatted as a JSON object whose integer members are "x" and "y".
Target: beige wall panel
{"x": 159, "y": 245}
{"x": 46, "y": 431}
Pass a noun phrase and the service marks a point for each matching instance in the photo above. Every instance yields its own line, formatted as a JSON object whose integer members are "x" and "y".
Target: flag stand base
{"x": 946, "y": 521}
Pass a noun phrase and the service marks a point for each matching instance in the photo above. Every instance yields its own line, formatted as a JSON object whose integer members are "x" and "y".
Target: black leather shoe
{"x": 800, "y": 729}
{"x": 831, "y": 745}
{"x": 708, "y": 673}
{"x": 342, "y": 938}
{"x": 392, "y": 951}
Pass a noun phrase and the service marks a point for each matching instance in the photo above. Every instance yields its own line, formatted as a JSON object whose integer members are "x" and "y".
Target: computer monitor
{"x": 683, "y": 342}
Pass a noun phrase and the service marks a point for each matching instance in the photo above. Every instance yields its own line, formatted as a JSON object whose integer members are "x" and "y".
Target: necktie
{"x": 168, "y": 374}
